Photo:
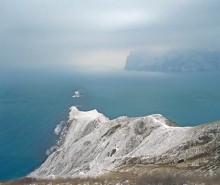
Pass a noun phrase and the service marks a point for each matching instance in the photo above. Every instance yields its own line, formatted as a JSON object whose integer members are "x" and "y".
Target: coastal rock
{"x": 174, "y": 61}
{"x": 93, "y": 145}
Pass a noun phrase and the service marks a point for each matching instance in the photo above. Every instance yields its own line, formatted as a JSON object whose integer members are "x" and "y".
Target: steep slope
{"x": 93, "y": 145}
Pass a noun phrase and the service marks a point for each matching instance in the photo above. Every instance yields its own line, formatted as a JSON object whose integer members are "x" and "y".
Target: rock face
{"x": 93, "y": 145}
{"x": 175, "y": 61}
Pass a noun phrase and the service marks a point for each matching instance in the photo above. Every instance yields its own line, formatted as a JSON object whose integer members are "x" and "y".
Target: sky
{"x": 100, "y": 34}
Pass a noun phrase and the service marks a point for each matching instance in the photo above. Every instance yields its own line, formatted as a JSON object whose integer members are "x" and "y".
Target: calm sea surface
{"x": 33, "y": 103}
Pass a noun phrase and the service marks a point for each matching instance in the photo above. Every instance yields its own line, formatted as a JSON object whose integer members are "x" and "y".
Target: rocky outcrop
{"x": 175, "y": 61}
{"x": 93, "y": 145}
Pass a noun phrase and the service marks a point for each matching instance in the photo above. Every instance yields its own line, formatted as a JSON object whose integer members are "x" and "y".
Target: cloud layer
{"x": 101, "y": 33}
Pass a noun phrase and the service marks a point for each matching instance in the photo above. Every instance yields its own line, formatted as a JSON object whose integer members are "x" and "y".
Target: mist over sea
{"x": 32, "y": 103}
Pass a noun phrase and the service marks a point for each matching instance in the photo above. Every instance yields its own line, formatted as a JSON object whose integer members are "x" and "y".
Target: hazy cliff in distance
{"x": 175, "y": 61}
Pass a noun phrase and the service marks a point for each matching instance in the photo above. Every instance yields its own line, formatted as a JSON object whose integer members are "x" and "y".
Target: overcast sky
{"x": 99, "y": 34}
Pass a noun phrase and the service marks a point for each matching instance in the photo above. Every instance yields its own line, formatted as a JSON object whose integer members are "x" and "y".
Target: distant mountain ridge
{"x": 174, "y": 61}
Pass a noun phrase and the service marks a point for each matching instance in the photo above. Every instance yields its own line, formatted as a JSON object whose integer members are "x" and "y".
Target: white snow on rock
{"x": 92, "y": 145}
{"x": 77, "y": 94}
{"x": 59, "y": 128}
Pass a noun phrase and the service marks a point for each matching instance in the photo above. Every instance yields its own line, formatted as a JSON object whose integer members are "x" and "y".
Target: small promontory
{"x": 92, "y": 145}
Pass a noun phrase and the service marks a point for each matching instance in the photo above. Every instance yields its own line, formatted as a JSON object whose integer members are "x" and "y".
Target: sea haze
{"x": 33, "y": 103}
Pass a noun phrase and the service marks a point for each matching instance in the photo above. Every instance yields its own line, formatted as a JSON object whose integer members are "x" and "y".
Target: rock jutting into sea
{"x": 174, "y": 61}
{"x": 92, "y": 145}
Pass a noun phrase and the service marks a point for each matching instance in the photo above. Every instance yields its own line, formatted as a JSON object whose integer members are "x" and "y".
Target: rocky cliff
{"x": 174, "y": 61}
{"x": 93, "y": 145}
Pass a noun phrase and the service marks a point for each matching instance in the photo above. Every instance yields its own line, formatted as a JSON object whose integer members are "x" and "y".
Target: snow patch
{"x": 59, "y": 128}
{"x": 51, "y": 150}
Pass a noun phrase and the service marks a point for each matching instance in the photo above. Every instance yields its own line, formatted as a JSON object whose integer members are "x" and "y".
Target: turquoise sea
{"x": 32, "y": 103}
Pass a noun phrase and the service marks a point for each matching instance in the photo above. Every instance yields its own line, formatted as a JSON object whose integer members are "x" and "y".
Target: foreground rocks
{"x": 91, "y": 145}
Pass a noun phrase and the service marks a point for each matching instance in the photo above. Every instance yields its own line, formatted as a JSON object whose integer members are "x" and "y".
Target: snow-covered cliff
{"x": 174, "y": 61}
{"x": 93, "y": 145}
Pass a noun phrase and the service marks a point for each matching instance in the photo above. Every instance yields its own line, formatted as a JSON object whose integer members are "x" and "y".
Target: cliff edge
{"x": 92, "y": 145}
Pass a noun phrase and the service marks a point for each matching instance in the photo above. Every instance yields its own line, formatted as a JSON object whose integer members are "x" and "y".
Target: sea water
{"x": 32, "y": 103}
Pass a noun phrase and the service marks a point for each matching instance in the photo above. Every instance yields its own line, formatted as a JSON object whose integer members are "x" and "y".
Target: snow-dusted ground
{"x": 92, "y": 145}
